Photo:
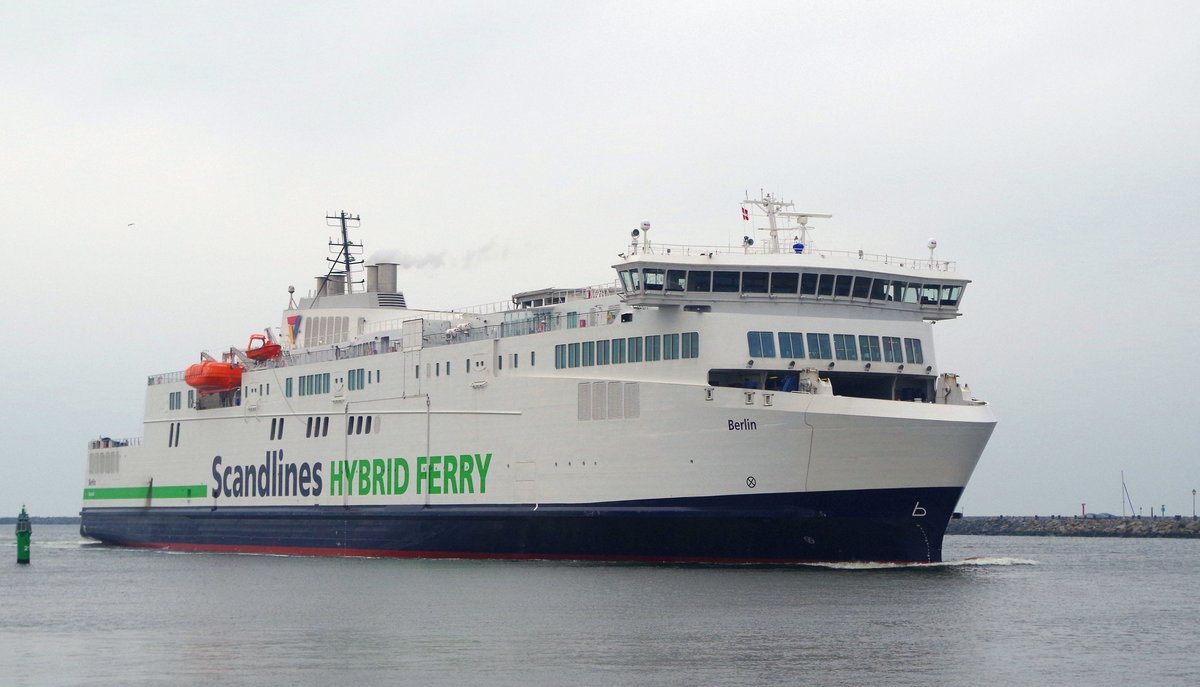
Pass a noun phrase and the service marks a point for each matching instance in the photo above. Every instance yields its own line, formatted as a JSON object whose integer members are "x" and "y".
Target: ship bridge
{"x": 697, "y": 278}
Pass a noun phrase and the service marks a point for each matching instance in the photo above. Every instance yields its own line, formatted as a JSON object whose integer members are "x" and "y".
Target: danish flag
{"x": 745, "y": 214}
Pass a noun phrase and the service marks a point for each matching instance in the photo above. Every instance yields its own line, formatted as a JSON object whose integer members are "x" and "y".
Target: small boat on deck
{"x": 211, "y": 375}
{"x": 265, "y": 350}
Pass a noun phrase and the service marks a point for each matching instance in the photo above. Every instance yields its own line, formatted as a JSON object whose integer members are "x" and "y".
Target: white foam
{"x": 979, "y": 561}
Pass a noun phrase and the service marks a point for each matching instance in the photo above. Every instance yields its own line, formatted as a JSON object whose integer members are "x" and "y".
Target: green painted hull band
{"x": 186, "y": 491}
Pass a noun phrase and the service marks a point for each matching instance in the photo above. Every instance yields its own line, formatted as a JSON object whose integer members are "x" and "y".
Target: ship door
{"x": 526, "y": 491}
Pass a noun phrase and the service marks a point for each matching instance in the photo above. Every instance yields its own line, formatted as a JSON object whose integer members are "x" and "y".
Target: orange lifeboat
{"x": 265, "y": 349}
{"x": 211, "y": 375}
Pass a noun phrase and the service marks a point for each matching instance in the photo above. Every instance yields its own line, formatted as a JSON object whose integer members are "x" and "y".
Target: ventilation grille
{"x": 390, "y": 300}
{"x": 608, "y": 400}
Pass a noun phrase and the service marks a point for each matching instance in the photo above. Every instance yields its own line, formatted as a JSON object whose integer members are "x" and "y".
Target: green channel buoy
{"x": 24, "y": 533}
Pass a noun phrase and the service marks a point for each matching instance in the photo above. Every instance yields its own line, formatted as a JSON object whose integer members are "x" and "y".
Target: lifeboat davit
{"x": 211, "y": 375}
{"x": 265, "y": 350}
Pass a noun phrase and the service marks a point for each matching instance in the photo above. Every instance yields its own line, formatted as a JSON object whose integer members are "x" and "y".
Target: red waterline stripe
{"x": 391, "y": 553}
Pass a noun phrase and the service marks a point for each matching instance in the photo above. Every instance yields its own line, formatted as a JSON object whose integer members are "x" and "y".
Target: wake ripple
{"x": 978, "y": 561}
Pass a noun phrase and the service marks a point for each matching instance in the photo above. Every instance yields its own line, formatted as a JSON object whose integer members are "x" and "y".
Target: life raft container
{"x": 211, "y": 375}
{"x": 265, "y": 349}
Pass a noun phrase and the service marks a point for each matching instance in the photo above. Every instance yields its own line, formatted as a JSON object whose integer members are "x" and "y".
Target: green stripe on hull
{"x": 186, "y": 491}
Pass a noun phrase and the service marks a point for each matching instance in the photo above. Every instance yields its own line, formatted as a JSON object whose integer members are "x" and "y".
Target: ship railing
{"x": 164, "y": 378}
{"x": 764, "y": 248}
{"x": 109, "y": 442}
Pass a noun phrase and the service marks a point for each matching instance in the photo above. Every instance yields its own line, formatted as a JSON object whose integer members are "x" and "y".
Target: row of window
{"x": 276, "y": 434}
{"x": 804, "y": 284}
{"x": 355, "y": 424}
{"x": 887, "y": 349}
{"x": 310, "y": 385}
{"x": 634, "y": 349}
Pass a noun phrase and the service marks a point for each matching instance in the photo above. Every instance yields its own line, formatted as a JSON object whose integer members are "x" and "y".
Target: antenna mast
{"x": 345, "y": 254}
{"x": 774, "y": 208}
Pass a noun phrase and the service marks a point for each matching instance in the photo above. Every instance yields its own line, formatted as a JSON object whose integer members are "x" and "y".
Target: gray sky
{"x": 1051, "y": 148}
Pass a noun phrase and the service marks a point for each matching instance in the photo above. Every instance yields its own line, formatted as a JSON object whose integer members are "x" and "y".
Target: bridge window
{"x": 654, "y": 280}
{"x": 726, "y": 282}
{"x": 881, "y": 290}
{"x": 841, "y": 287}
{"x": 699, "y": 280}
{"x": 825, "y": 285}
{"x": 784, "y": 282}
{"x": 676, "y": 280}
{"x": 950, "y": 294}
{"x": 862, "y": 287}
{"x": 754, "y": 282}
{"x": 808, "y": 284}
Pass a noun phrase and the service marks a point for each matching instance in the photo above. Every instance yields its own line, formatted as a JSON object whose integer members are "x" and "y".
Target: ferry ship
{"x": 768, "y": 402}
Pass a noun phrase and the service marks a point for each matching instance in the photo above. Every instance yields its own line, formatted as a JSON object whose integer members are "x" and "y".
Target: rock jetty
{"x": 1068, "y": 526}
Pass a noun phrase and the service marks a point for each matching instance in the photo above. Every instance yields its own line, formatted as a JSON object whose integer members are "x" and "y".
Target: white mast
{"x": 774, "y": 208}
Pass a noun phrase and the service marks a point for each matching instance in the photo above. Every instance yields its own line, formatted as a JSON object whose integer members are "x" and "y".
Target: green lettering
{"x": 377, "y": 483}
{"x": 351, "y": 466}
{"x": 399, "y": 487}
{"x": 364, "y": 477}
{"x": 466, "y": 465}
{"x": 335, "y": 478}
{"x": 450, "y": 481}
{"x": 483, "y": 470}
{"x": 435, "y": 474}
{"x": 422, "y": 473}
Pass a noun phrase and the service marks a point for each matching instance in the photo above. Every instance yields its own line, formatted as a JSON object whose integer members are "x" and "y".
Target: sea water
{"x": 1002, "y": 610}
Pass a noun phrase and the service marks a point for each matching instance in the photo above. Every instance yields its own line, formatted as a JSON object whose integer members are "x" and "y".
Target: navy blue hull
{"x": 902, "y": 525}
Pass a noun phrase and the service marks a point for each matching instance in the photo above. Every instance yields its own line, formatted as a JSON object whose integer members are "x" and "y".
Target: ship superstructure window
{"x": 825, "y": 285}
{"x": 691, "y": 344}
{"x": 191, "y": 398}
{"x": 635, "y": 349}
{"x": 670, "y": 346}
{"x": 355, "y": 379}
{"x": 287, "y": 387}
{"x": 819, "y": 348}
{"x": 912, "y": 351}
{"x": 173, "y": 434}
{"x": 560, "y": 356}
{"x": 676, "y": 280}
{"x": 602, "y": 352}
{"x": 843, "y": 347}
{"x": 791, "y": 345}
{"x": 653, "y": 348}
{"x": 316, "y": 427}
{"x": 762, "y": 344}
{"x": 361, "y": 424}
{"x": 175, "y": 400}
{"x": 573, "y": 355}
{"x": 532, "y": 359}
{"x": 572, "y": 320}
{"x": 589, "y": 353}
{"x": 311, "y": 385}
{"x": 869, "y": 348}
{"x": 808, "y": 284}
{"x": 276, "y": 428}
{"x": 892, "y": 353}
{"x": 618, "y": 351}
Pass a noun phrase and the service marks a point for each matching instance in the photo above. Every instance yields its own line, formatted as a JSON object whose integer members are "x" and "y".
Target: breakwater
{"x": 1064, "y": 526}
